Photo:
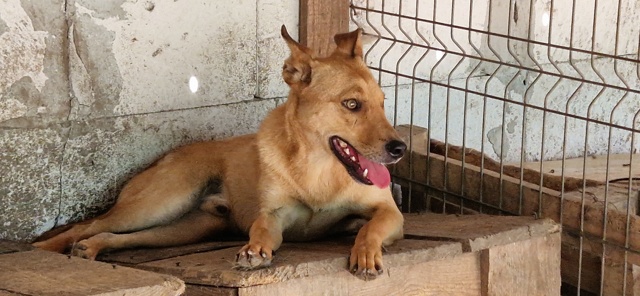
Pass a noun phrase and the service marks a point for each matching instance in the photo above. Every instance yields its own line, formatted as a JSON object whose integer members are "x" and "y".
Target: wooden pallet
{"x": 441, "y": 255}
{"x": 580, "y": 211}
{"x": 24, "y": 271}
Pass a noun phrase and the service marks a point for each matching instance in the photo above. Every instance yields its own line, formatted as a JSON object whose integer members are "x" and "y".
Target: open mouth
{"x": 359, "y": 167}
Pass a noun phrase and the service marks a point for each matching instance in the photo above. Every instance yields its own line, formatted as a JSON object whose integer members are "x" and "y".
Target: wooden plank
{"x": 589, "y": 270}
{"x": 198, "y": 290}
{"x": 594, "y": 220}
{"x": 477, "y": 232}
{"x": 523, "y": 198}
{"x": 596, "y": 247}
{"x": 620, "y": 167}
{"x": 320, "y": 20}
{"x": 593, "y": 250}
{"x": 476, "y": 158}
{"x": 456, "y": 276}
{"x": 530, "y": 267}
{"x": 431, "y": 169}
{"x": 45, "y": 273}
{"x": 137, "y": 256}
{"x": 614, "y": 278}
{"x": 293, "y": 261}
{"x": 7, "y": 246}
{"x": 416, "y": 137}
{"x": 636, "y": 280}
{"x": 617, "y": 270}
{"x": 616, "y": 195}
{"x": 507, "y": 193}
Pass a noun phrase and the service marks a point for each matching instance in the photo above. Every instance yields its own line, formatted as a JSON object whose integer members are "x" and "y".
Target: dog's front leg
{"x": 265, "y": 236}
{"x": 384, "y": 227}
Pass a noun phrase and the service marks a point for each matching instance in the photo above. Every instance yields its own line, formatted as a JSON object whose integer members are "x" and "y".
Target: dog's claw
{"x": 354, "y": 269}
{"x": 248, "y": 258}
{"x": 379, "y": 269}
{"x": 83, "y": 251}
{"x": 366, "y": 274}
{"x": 365, "y": 261}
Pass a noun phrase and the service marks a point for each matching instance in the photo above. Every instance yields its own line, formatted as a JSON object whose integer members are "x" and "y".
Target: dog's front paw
{"x": 253, "y": 256}
{"x": 365, "y": 261}
{"x": 85, "y": 250}
{"x": 90, "y": 247}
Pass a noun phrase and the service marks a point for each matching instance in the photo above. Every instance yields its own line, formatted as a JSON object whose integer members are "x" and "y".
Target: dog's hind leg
{"x": 140, "y": 205}
{"x": 193, "y": 227}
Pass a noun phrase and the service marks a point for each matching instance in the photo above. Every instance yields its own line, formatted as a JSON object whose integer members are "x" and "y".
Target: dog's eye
{"x": 351, "y": 104}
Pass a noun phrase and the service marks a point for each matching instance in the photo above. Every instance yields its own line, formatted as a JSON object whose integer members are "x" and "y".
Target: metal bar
{"x": 568, "y": 115}
{"x": 610, "y": 140}
{"x": 582, "y": 199}
{"x": 485, "y": 97}
{"x": 448, "y": 104}
{"x": 568, "y": 48}
{"x": 466, "y": 102}
{"x": 435, "y": 66}
{"x": 520, "y": 67}
{"x": 411, "y": 116}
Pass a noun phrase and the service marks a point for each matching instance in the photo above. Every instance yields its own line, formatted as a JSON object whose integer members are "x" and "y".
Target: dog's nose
{"x": 396, "y": 148}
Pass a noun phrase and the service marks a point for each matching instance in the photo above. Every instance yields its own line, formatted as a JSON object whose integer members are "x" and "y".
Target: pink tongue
{"x": 378, "y": 174}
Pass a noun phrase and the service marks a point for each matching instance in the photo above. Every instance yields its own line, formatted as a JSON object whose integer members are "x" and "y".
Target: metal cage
{"x": 527, "y": 107}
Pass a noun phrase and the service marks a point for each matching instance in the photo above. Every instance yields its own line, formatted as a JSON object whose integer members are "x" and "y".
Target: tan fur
{"x": 282, "y": 183}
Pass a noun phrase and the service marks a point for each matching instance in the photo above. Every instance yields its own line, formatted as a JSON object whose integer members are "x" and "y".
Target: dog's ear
{"x": 297, "y": 68}
{"x": 349, "y": 43}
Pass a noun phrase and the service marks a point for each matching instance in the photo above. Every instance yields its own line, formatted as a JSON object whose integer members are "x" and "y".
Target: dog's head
{"x": 338, "y": 99}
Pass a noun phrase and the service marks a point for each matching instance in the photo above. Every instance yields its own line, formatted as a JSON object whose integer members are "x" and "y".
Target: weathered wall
{"x": 92, "y": 91}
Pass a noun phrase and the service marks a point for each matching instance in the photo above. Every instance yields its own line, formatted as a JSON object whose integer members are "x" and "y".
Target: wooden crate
{"x": 482, "y": 187}
{"x": 440, "y": 255}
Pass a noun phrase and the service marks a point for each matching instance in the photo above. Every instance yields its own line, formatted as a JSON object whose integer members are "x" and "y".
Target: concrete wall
{"x": 492, "y": 76}
{"x": 92, "y": 91}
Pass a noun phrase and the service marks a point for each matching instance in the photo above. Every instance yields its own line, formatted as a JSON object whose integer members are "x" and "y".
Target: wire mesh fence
{"x": 522, "y": 107}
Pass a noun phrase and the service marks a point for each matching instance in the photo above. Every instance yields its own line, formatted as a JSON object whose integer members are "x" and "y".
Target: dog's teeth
{"x": 365, "y": 173}
{"x": 346, "y": 150}
{"x": 342, "y": 144}
{"x": 353, "y": 158}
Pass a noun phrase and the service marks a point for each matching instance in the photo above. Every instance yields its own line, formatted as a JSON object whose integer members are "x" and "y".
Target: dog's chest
{"x": 312, "y": 222}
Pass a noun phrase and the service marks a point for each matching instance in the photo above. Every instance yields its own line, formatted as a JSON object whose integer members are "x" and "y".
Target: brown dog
{"x": 315, "y": 161}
